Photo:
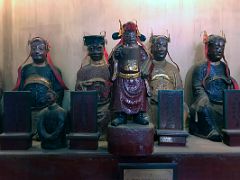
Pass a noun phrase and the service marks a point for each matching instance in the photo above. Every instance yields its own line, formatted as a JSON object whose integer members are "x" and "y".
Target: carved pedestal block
{"x": 131, "y": 139}
{"x": 231, "y": 111}
{"x": 170, "y": 118}
{"x": 231, "y": 137}
{"x": 171, "y": 137}
{"x": 83, "y": 125}
{"x": 84, "y": 141}
{"x": 15, "y": 141}
{"x": 16, "y": 124}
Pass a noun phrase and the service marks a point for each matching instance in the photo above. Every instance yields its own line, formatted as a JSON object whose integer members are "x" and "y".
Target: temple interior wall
{"x": 64, "y": 22}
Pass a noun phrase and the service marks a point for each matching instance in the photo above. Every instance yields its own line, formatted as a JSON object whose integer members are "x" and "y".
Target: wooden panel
{"x": 170, "y": 109}
{"x": 84, "y": 112}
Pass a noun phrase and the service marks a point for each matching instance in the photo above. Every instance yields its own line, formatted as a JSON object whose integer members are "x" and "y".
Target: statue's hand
{"x": 87, "y": 83}
{"x": 200, "y": 103}
{"x": 144, "y": 75}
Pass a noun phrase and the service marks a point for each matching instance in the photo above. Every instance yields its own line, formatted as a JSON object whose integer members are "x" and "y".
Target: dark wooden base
{"x": 15, "y": 141}
{"x": 201, "y": 159}
{"x": 83, "y": 141}
{"x": 231, "y": 137}
{"x": 131, "y": 139}
{"x": 171, "y": 137}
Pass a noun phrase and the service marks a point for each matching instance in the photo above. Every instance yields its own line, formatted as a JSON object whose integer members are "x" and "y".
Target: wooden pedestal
{"x": 171, "y": 137}
{"x": 15, "y": 141}
{"x": 170, "y": 118}
{"x": 131, "y": 139}
{"x": 231, "y": 132}
{"x": 16, "y": 124}
{"x": 84, "y": 141}
{"x": 231, "y": 137}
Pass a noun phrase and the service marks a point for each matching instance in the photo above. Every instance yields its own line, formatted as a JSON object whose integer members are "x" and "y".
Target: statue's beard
{"x": 39, "y": 60}
{"x": 96, "y": 56}
{"x": 160, "y": 57}
{"x": 215, "y": 58}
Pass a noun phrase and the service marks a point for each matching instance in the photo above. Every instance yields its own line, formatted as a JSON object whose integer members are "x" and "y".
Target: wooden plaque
{"x": 170, "y": 109}
{"x": 231, "y": 111}
{"x": 16, "y": 121}
{"x": 84, "y": 111}
{"x": 142, "y": 171}
{"x": 83, "y": 126}
{"x": 170, "y": 118}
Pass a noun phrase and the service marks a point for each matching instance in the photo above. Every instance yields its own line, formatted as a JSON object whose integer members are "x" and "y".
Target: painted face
{"x": 38, "y": 51}
{"x": 129, "y": 37}
{"x": 159, "y": 48}
{"x": 216, "y": 49}
{"x": 51, "y": 97}
{"x": 95, "y": 52}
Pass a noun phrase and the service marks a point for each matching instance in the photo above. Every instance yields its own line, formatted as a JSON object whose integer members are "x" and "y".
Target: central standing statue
{"x": 129, "y": 66}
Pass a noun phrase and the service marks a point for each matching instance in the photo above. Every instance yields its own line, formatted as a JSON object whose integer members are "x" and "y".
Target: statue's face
{"x": 216, "y": 49}
{"x": 159, "y": 48}
{"x": 51, "y": 97}
{"x": 95, "y": 52}
{"x": 38, "y": 51}
{"x": 129, "y": 37}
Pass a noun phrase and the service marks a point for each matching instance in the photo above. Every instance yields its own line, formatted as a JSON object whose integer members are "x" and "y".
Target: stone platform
{"x": 199, "y": 159}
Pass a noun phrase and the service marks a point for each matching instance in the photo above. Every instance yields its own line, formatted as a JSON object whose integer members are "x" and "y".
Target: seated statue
{"x": 129, "y": 67}
{"x": 51, "y": 124}
{"x": 164, "y": 75}
{"x": 40, "y": 76}
{"x": 95, "y": 76}
{"x": 209, "y": 80}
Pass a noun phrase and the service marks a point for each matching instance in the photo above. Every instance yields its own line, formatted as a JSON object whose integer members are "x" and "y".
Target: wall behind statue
{"x": 64, "y": 22}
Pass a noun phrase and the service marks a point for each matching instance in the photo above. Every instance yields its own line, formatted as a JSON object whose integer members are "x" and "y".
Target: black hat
{"x": 93, "y": 39}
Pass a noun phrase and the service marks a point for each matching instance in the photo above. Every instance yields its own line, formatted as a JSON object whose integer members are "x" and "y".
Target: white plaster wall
{"x": 64, "y": 22}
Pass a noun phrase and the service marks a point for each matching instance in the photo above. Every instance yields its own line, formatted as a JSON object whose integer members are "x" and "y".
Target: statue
{"x": 51, "y": 124}
{"x": 95, "y": 76}
{"x": 40, "y": 76}
{"x": 129, "y": 67}
{"x": 164, "y": 75}
{"x": 209, "y": 80}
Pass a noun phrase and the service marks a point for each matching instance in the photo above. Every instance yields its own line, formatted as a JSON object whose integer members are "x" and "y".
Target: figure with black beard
{"x": 164, "y": 75}
{"x": 209, "y": 80}
{"x": 130, "y": 67}
{"x": 95, "y": 76}
{"x": 40, "y": 76}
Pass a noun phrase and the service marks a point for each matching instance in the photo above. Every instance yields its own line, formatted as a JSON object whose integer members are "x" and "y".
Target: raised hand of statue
{"x": 204, "y": 101}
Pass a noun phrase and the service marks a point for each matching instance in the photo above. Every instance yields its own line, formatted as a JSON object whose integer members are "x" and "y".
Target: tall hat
{"x": 96, "y": 39}
{"x": 49, "y": 61}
